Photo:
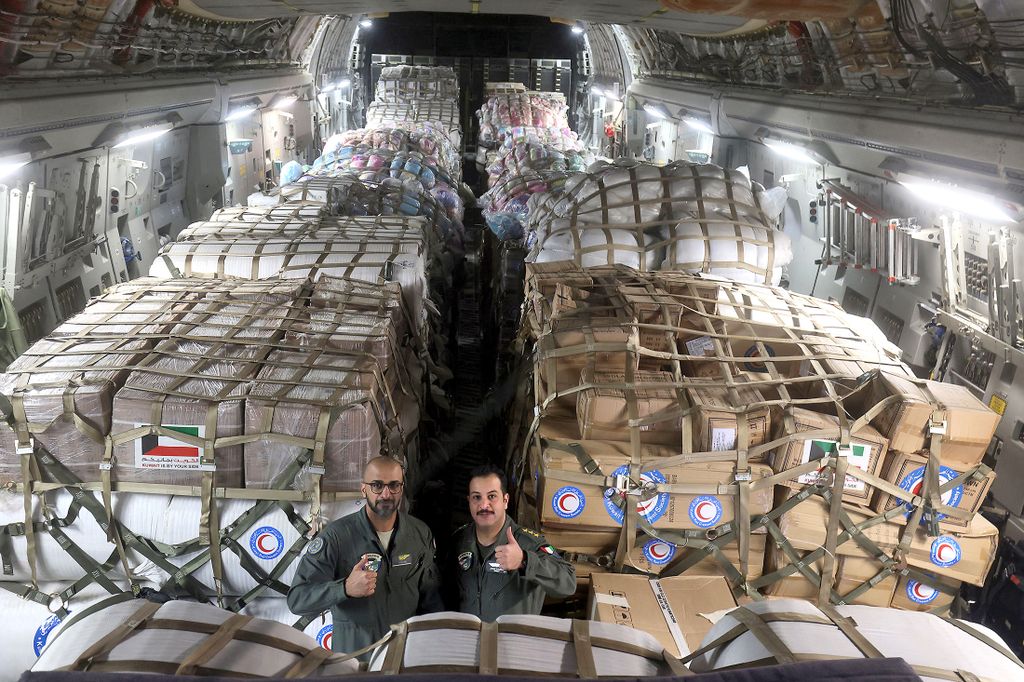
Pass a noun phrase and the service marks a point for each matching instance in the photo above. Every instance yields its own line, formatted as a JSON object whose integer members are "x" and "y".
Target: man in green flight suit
{"x": 502, "y": 567}
{"x": 372, "y": 568}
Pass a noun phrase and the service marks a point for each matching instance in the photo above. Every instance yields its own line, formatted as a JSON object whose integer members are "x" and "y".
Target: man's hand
{"x": 509, "y": 556}
{"x": 361, "y": 582}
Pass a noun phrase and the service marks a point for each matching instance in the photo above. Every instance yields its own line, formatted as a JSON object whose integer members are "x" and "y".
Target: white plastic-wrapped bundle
{"x": 320, "y": 628}
{"x": 268, "y": 540}
{"x": 789, "y": 630}
{"x": 592, "y": 247}
{"x": 441, "y": 115}
{"x": 694, "y": 217}
{"x": 502, "y": 112}
{"x": 526, "y": 645}
{"x": 743, "y": 253}
{"x": 140, "y": 513}
{"x": 191, "y": 639}
{"x": 29, "y": 626}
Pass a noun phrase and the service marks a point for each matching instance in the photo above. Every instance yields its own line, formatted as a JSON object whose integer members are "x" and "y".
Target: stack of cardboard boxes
{"x": 708, "y": 404}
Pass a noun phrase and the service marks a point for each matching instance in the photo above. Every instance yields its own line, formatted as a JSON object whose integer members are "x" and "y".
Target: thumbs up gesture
{"x": 509, "y": 556}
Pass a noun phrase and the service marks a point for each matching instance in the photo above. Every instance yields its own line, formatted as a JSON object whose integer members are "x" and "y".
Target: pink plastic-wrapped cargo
{"x": 194, "y": 383}
{"x": 56, "y": 382}
{"x": 295, "y": 396}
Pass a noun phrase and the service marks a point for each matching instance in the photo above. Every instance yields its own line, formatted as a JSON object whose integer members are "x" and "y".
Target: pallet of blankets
{"x": 525, "y": 167}
{"x": 190, "y": 434}
{"x": 402, "y": 84}
{"x": 672, "y": 424}
{"x": 503, "y": 111}
{"x": 683, "y": 216}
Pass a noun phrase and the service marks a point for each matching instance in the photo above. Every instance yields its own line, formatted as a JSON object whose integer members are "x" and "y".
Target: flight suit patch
{"x": 402, "y": 560}
{"x": 315, "y": 546}
{"x": 548, "y": 549}
{"x": 465, "y": 560}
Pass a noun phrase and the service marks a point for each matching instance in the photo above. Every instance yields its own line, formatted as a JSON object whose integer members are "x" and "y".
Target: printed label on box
{"x": 859, "y": 456}
{"x": 703, "y": 345}
{"x": 723, "y": 439}
{"x": 157, "y": 451}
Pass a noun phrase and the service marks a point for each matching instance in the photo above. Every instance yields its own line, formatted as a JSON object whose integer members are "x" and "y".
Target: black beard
{"x": 383, "y": 513}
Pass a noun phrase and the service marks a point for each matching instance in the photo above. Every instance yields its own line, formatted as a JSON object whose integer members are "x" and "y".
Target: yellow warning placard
{"x": 998, "y": 404}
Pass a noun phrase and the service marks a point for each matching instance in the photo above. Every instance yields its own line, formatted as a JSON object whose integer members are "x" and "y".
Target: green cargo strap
{"x": 586, "y": 667}
{"x": 849, "y": 628}
{"x": 212, "y": 644}
{"x": 395, "y": 657}
{"x": 764, "y": 634}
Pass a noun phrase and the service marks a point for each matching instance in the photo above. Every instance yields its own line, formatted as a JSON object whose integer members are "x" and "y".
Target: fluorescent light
{"x": 958, "y": 199}
{"x": 241, "y": 111}
{"x": 577, "y": 29}
{"x": 11, "y": 163}
{"x": 343, "y": 83}
{"x": 366, "y": 23}
{"x": 597, "y": 91}
{"x": 327, "y": 88}
{"x": 790, "y": 151}
{"x": 145, "y": 134}
{"x": 655, "y": 111}
{"x": 698, "y": 124}
{"x": 285, "y": 102}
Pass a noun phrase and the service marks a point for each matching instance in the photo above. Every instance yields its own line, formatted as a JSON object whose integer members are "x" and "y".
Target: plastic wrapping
{"x": 545, "y": 648}
{"x": 340, "y": 390}
{"x": 413, "y": 83}
{"x": 502, "y": 112}
{"x": 163, "y": 650}
{"x": 88, "y": 372}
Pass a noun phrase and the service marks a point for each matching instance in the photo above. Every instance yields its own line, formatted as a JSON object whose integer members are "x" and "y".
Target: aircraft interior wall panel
{"x": 903, "y": 303}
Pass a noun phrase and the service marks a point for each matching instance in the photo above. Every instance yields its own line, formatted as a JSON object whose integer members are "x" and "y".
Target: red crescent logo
{"x": 945, "y": 552}
{"x": 923, "y": 592}
{"x": 264, "y": 548}
{"x": 659, "y": 550}
{"x": 326, "y": 642}
{"x": 568, "y": 503}
{"x": 705, "y": 511}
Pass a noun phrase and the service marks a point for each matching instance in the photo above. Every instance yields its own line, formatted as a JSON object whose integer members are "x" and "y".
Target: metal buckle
{"x": 316, "y": 470}
{"x": 844, "y": 451}
{"x": 622, "y": 483}
{"x": 937, "y": 428}
{"x": 743, "y": 476}
{"x": 591, "y": 468}
{"x": 106, "y": 466}
{"x": 20, "y": 449}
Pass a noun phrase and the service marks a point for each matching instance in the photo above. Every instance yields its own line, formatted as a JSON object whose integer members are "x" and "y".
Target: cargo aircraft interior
{"x": 730, "y": 291}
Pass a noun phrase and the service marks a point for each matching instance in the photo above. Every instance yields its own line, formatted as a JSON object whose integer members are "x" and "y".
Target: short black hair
{"x": 485, "y": 470}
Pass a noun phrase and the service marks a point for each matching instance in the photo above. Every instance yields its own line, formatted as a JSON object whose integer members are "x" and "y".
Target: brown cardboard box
{"x": 965, "y": 554}
{"x": 569, "y": 504}
{"x": 913, "y": 594}
{"x": 970, "y": 424}
{"x": 904, "y": 422}
{"x": 851, "y": 573}
{"x": 544, "y": 277}
{"x": 654, "y": 556}
{"x": 716, "y": 421}
{"x": 667, "y": 609}
{"x": 907, "y": 472}
{"x": 571, "y": 336}
{"x": 868, "y": 453}
{"x": 603, "y": 411}
{"x": 742, "y": 342}
{"x": 703, "y": 345}
{"x": 852, "y": 358}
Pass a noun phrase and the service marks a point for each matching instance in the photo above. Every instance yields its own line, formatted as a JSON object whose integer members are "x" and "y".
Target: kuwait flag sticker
{"x": 157, "y": 451}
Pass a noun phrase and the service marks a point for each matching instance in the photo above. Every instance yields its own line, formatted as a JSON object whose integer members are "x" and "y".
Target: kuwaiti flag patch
{"x": 159, "y": 451}
{"x": 548, "y": 549}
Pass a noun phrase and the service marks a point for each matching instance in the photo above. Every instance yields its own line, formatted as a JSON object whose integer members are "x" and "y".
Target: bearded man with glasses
{"x": 372, "y": 568}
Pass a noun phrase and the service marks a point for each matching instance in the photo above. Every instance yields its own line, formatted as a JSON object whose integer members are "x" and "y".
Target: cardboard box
{"x": 742, "y": 342}
{"x": 907, "y": 472}
{"x": 654, "y": 556}
{"x": 970, "y": 424}
{"x": 559, "y": 372}
{"x": 965, "y": 554}
{"x": 852, "y": 358}
{"x": 868, "y": 449}
{"x": 602, "y": 412}
{"x": 851, "y": 573}
{"x": 667, "y": 609}
{"x": 913, "y": 594}
{"x": 567, "y": 504}
{"x": 715, "y": 427}
{"x": 544, "y": 277}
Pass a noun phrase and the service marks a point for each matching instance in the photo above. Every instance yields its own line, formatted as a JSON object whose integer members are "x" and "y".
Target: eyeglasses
{"x": 394, "y": 487}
